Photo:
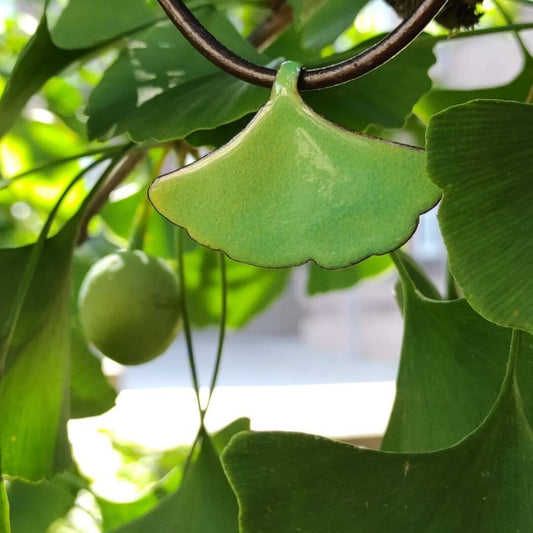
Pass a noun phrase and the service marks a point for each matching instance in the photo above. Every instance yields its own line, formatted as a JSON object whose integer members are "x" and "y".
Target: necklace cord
{"x": 312, "y": 79}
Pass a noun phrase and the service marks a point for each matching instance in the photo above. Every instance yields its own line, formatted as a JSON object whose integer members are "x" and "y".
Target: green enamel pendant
{"x": 293, "y": 187}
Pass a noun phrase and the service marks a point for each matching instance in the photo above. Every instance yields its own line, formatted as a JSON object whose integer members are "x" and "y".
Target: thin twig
{"x": 119, "y": 173}
{"x": 509, "y": 20}
{"x": 222, "y": 327}
{"x": 529, "y": 98}
{"x": 187, "y": 323}
{"x": 275, "y": 23}
{"x": 7, "y": 181}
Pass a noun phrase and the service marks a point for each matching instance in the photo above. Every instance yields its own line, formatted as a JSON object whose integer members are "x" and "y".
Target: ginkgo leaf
{"x": 294, "y": 187}
{"x": 480, "y": 154}
{"x": 32, "y": 392}
{"x": 440, "y": 99}
{"x": 484, "y": 483}
{"x": 48, "y": 501}
{"x": 203, "y": 484}
{"x": 451, "y": 369}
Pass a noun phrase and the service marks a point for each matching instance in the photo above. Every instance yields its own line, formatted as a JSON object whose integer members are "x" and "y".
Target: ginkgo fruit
{"x": 130, "y": 306}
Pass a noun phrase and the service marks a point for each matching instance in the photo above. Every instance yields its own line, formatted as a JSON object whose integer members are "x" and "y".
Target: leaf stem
{"x": 6, "y": 182}
{"x": 5, "y": 525}
{"x": 140, "y": 225}
{"x": 529, "y": 98}
{"x": 129, "y": 159}
{"x": 222, "y": 327}
{"x": 514, "y": 352}
{"x": 186, "y": 321}
{"x": 515, "y": 27}
{"x": 509, "y": 21}
{"x": 400, "y": 267}
{"x": 144, "y": 209}
{"x": 451, "y": 285}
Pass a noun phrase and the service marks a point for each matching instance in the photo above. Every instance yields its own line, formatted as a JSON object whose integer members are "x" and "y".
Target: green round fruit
{"x": 129, "y": 306}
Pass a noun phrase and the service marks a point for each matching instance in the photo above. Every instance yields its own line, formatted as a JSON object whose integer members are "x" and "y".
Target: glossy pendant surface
{"x": 294, "y": 187}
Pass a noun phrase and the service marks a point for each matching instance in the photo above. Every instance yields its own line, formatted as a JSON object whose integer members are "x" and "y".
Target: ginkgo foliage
{"x": 97, "y": 97}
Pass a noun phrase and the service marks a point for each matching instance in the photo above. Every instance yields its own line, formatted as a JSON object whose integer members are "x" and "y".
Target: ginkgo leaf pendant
{"x": 293, "y": 187}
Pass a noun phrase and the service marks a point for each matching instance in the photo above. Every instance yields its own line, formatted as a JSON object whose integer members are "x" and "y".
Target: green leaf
{"x": 91, "y": 393}
{"x": 85, "y": 23}
{"x": 32, "y": 391}
{"x": 480, "y": 155}
{"x": 218, "y": 136}
{"x": 322, "y": 280}
{"x": 145, "y": 94}
{"x": 383, "y": 97}
{"x": 199, "y": 104}
{"x": 156, "y": 67}
{"x": 451, "y": 368}
{"x": 419, "y": 278}
{"x": 221, "y": 438}
{"x": 35, "y": 506}
{"x": 204, "y": 484}
{"x": 39, "y": 60}
{"x": 421, "y": 281}
{"x": 320, "y": 22}
{"x": 484, "y": 483}
{"x": 250, "y": 290}
{"x": 440, "y": 99}
{"x": 314, "y": 191}
{"x": 115, "y": 515}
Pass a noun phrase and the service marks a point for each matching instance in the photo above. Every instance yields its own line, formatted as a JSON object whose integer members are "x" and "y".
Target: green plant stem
{"x": 140, "y": 225}
{"x": 482, "y": 31}
{"x": 5, "y": 525}
{"x": 181, "y": 152}
{"x": 529, "y": 98}
{"x": 199, "y": 435}
{"x": 398, "y": 263}
{"x": 451, "y": 285}
{"x": 109, "y": 150}
{"x": 514, "y": 352}
{"x": 10, "y": 324}
{"x": 144, "y": 210}
{"x": 509, "y": 21}
{"x": 222, "y": 327}
{"x": 186, "y": 321}
{"x": 126, "y": 161}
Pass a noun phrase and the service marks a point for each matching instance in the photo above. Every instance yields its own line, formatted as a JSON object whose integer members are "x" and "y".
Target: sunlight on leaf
{"x": 39, "y": 61}
{"x": 85, "y": 23}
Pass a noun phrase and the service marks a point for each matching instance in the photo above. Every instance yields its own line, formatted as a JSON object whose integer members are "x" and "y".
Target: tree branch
{"x": 276, "y": 22}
